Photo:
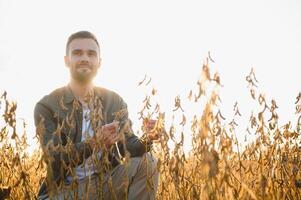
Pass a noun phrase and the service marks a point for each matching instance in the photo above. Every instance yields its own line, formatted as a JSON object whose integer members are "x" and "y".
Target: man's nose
{"x": 84, "y": 58}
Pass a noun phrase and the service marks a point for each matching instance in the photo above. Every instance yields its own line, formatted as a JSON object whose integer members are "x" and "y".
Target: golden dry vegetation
{"x": 267, "y": 168}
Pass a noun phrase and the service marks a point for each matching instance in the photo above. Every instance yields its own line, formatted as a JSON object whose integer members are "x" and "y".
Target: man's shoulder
{"x": 48, "y": 103}
{"x": 53, "y": 96}
{"x": 111, "y": 99}
{"x": 107, "y": 93}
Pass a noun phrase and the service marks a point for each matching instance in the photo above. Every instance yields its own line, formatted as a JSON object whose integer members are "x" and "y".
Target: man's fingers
{"x": 108, "y": 133}
{"x": 111, "y": 126}
{"x": 153, "y": 135}
{"x": 151, "y": 124}
{"x": 151, "y": 121}
{"x": 112, "y": 139}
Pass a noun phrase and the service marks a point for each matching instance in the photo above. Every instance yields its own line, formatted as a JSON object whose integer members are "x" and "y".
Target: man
{"x": 86, "y": 136}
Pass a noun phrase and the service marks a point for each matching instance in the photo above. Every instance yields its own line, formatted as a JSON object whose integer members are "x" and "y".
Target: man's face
{"x": 83, "y": 60}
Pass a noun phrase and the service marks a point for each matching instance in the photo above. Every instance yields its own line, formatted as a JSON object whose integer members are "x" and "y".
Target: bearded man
{"x": 88, "y": 143}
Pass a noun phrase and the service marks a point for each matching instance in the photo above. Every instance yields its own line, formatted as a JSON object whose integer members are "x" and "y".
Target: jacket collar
{"x": 69, "y": 97}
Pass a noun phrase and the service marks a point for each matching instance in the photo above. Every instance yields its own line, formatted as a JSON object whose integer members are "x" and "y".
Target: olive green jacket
{"x": 58, "y": 119}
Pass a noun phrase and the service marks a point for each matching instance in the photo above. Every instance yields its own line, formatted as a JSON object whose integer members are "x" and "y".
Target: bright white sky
{"x": 166, "y": 39}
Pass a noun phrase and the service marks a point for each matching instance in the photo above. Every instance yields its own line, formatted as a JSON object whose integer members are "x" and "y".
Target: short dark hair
{"x": 80, "y": 35}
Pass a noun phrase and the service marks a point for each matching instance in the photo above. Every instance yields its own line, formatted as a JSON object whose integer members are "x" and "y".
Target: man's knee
{"x": 151, "y": 160}
{"x": 147, "y": 163}
{"x": 145, "y": 181}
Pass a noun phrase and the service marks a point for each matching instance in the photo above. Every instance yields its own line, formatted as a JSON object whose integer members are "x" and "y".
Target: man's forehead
{"x": 84, "y": 44}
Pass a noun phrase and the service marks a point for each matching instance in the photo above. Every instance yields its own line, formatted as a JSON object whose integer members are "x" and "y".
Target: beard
{"x": 83, "y": 75}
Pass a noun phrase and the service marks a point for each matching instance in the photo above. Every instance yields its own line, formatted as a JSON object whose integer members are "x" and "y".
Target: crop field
{"x": 268, "y": 167}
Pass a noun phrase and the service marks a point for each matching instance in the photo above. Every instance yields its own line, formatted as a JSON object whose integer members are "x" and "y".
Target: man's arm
{"x": 51, "y": 140}
{"x": 134, "y": 145}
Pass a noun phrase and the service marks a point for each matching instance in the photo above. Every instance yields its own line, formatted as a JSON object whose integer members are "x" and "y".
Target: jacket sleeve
{"x": 134, "y": 145}
{"x": 54, "y": 149}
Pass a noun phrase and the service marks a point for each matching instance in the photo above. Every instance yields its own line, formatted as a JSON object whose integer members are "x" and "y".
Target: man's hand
{"x": 108, "y": 134}
{"x": 152, "y": 132}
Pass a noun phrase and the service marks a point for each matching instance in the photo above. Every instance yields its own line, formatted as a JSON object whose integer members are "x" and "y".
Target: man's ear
{"x": 66, "y": 59}
{"x": 99, "y": 63}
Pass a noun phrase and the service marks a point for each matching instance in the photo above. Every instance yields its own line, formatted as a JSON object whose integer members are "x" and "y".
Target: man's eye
{"x": 77, "y": 53}
{"x": 92, "y": 53}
